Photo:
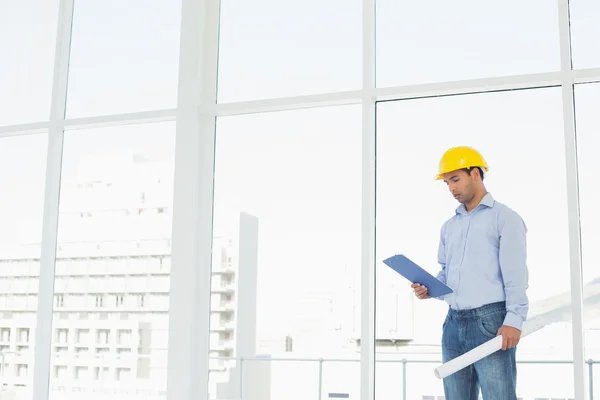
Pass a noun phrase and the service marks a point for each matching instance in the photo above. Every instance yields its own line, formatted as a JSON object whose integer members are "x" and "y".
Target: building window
{"x": 103, "y": 336}
{"x": 81, "y": 373}
{"x": 99, "y": 300}
{"x": 100, "y": 373}
{"x": 22, "y": 370}
{"x": 23, "y": 335}
{"x": 59, "y": 300}
{"x": 5, "y": 334}
{"x": 62, "y": 335}
{"x": 60, "y": 372}
{"x": 83, "y": 336}
{"x": 124, "y": 336}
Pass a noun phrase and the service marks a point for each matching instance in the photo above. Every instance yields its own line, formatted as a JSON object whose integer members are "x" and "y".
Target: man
{"x": 482, "y": 253}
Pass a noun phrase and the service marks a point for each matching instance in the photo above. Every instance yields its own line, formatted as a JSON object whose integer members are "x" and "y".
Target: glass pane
{"x": 340, "y": 380}
{"x": 124, "y": 56}
{"x": 426, "y": 42}
{"x": 27, "y": 44}
{"x": 588, "y": 146}
{"x": 420, "y": 382}
{"x": 278, "y": 379}
{"x": 22, "y": 180}
{"x": 585, "y": 32}
{"x": 287, "y": 229}
{"x": 113, "y": 264}
{"x": 550, "y": 381}
{"x": 388, "y": 376}
{"x": 272, "y": 48}
{"x": 510, "y": 129}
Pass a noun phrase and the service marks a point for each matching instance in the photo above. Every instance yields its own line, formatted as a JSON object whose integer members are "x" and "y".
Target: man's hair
{"x": 469, "y": 170}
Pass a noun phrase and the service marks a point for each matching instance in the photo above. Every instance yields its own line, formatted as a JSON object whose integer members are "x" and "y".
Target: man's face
{"x": 461, "y": 185}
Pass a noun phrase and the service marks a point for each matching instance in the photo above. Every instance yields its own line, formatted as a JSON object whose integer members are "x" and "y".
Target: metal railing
{"x": 404, "y": 361}
{"x": 240, "y": 363}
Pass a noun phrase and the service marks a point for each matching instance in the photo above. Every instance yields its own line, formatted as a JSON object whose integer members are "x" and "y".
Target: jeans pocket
{"x": 489, "y": 324}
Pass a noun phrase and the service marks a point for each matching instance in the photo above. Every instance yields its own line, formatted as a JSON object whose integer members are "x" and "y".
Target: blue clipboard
{"x": 415, "y": 274}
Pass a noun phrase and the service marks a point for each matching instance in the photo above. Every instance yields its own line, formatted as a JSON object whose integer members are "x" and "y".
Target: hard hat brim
{"x": 440, "y": 176}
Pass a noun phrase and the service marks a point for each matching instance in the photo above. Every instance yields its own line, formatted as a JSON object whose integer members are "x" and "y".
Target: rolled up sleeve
{"x": 513, "y": 266}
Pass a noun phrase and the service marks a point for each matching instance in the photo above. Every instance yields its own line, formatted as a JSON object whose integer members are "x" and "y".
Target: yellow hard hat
{"x": 460, "y": 157}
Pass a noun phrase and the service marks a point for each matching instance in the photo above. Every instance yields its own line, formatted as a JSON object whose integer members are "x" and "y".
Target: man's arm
{"x": 442, "y": 258}
{"x": 513, "y": 266}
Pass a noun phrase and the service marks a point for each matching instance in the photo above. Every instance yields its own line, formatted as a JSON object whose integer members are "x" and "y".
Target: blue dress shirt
{"x": 483, "y": 255}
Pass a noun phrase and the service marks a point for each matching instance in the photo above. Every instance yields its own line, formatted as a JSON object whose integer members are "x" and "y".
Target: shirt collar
{"x": 487, "y": 201}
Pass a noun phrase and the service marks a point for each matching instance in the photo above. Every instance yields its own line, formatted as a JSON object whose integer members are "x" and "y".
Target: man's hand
{"x": 420, "y": 291}
{"x": 510, "y": 336}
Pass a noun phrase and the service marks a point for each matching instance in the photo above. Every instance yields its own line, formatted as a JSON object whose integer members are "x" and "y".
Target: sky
{"x": 299, "y": 171}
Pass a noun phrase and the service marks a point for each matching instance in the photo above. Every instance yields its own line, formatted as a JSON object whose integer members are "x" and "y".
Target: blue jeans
{"x": 496, "y": 374}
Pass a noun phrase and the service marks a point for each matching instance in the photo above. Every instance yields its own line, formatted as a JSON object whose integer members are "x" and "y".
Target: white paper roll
{"x": 484, "y": 350}
{"x": 458, "y": 363}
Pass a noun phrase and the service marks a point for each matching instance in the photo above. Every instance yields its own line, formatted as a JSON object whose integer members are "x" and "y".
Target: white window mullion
{"x": 367, "y": 333}
{"x": 43, "y": 336}
{"x": 580, "y": 384}
{"x": 189, "y": 310}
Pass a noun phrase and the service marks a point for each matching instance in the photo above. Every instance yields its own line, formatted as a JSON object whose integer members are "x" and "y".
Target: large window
{"x": 123, "y": 56}
{"x": 27, "y": 38}
{"x": 588, "y": 145}
{"x": 22, "y": 173}
{"x": 313, "y": 46}
{"x": 111, "y": 301}
{"x": 286, "y": 250}
{"x": 424, "y": 42}
{"x": 525, "y": 172}
{"x": 585, "y": 31}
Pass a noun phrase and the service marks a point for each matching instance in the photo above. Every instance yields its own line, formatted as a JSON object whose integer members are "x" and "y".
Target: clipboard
{"x": 415, "y": 274}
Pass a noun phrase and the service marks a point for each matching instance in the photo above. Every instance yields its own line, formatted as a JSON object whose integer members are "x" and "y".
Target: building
{"x": 111, "y": 303}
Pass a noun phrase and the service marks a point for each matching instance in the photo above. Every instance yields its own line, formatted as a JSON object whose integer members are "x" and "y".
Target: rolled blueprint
{"x": 484, "y": 350}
